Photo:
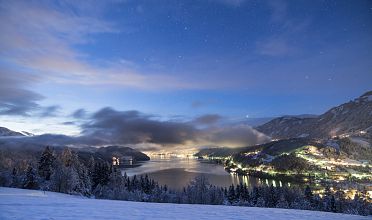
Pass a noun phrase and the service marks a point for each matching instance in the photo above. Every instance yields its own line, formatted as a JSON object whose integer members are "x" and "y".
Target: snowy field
{"x": 33, "y": 204}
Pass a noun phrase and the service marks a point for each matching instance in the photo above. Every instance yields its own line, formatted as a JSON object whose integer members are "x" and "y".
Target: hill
{"x": 352, "y": 118}
{"x": 27, "y": 152}
{"x": 106, "y": 153}
{"x": 33, "y": 204}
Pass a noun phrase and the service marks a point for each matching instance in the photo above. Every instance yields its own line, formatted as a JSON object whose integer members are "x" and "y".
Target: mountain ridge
{"x": 351, "y": 118}
{"x": 5, "y": 132}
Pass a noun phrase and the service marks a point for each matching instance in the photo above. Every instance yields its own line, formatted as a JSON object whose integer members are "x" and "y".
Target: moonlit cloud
{"x": 16, "y": 98}
{"x": 42, "y": 39}
{"x": 144, "y": 132}
{"x": 133, "y": 127}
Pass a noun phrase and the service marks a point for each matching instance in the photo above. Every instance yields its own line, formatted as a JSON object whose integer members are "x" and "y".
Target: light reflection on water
{"x": 177, "y": 173}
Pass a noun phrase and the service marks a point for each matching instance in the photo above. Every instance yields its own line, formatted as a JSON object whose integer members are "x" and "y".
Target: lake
{"x": 177, "y": 173}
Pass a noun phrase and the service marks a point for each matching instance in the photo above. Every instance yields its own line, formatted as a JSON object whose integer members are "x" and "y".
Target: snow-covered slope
{"x": 33, "y": 204}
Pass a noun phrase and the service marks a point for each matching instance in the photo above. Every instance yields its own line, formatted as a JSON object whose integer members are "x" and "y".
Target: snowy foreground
{"x": 33, "y": 204}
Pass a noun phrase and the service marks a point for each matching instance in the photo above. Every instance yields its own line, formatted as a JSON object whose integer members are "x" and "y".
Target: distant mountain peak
{"x": 5, "y": 132}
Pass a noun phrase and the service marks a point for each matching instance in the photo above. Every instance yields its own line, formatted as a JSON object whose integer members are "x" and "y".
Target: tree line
{"x": 67, "y": 173}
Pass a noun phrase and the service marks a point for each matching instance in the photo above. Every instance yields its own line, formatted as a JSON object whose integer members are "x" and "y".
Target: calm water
{"x": 177, "y": 173}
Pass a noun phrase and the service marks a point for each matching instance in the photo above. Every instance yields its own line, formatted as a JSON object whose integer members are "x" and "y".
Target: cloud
{"x": 233, "y": 136}
{"x": 146, "y": 132}
{"x": 50, "y": 111}
{"x": 79, "y": 113}
{"x": 288, "y": 28}
{"x": 68, "y": 123}
{"x": 202, "y": 103}
{"x": 15, "y": 98}
{"x": 136, "y": 128}
{"x": 207, "y": 119}
{"x": 43, "y": 39}
{"x": 133, "y": 127}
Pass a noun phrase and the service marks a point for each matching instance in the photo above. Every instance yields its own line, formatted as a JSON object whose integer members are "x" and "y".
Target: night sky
{"x": 62, "y": 62}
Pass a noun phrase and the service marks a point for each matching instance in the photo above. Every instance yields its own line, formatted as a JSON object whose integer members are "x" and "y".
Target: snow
{"x": 303, "y": 135}
{"x": 33, "y": 204}
{"x": 368, "y": 98}
{"x": 360, "y": 141}
{"x": 334, "y": 144}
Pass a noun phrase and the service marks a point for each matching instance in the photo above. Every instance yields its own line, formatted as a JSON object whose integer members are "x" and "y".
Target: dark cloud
{"x": 79, "y": 114}
{"x": 15, "y": 98}
{"x": 49, "y": 111}
{"x": 208, "y": 119}
{"x": 133, "y": 127}
{"x": 69, "y": 123}
{"x": 147, "y": 132}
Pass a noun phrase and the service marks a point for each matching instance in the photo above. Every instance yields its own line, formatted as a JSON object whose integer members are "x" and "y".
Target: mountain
{"x": 106, "y": 153}
{"x": 5, "y": 132}
{"x": 352, "y": 118}
{"x": 218, "y": 152}
{"x": 257, "y": 121}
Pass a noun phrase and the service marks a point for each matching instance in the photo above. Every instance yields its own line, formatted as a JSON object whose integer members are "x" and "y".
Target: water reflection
{"x": 176, "y": 173}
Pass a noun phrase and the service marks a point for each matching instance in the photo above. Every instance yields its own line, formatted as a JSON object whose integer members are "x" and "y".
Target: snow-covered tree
{"x": 45, "y": 168}
{"x": 30, "y": 181}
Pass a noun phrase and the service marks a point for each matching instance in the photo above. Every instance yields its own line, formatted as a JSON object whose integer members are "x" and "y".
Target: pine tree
{"x": 308, "y": 194}
{"x": 67, "y": 157}
{"x": 332, "y": 204}
{"x": 90, "y": 166}
{"x": 282, "y": 203}
{"x": 30, "y": 181}
{"x": 46, "y": 163}
{"x": 15, "y": 178}
{"x": 101, "y": 174}
{"x": 85, "y": 184}
{"x": 231, "y": 194}
{"x": 245, "y": 193}
{"x": 261, "y": 202}
{"x": 271, "y": 197}
{"x": 255, "y": 195}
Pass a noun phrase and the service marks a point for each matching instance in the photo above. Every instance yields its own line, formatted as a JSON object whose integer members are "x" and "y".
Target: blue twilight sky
{"x": 179, "y": 60}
